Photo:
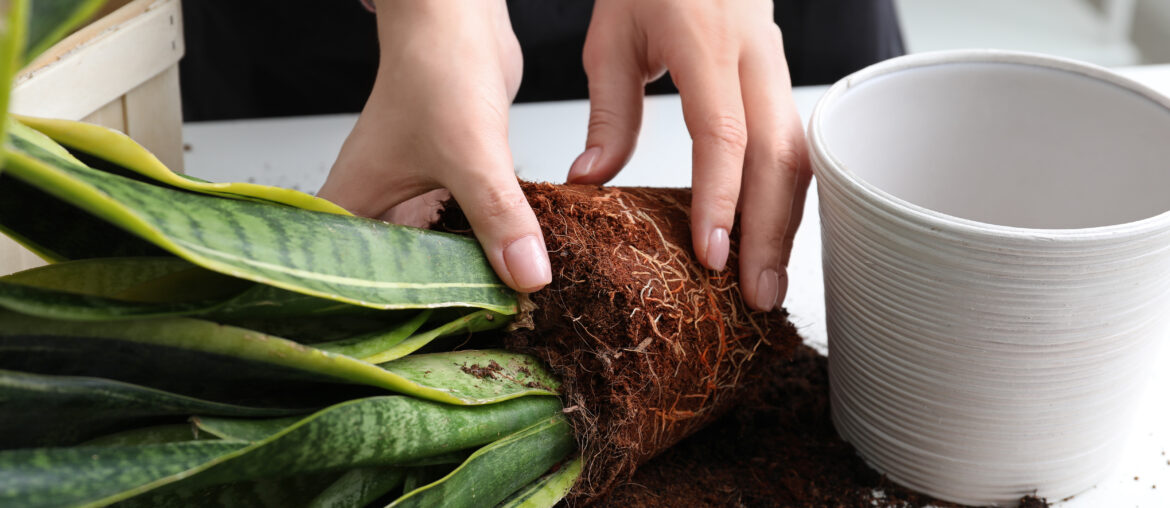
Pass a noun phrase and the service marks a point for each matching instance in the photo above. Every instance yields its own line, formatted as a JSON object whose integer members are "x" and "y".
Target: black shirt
{"x": 267, "y": 58}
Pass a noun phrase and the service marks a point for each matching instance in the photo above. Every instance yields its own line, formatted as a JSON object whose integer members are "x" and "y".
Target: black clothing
{"x": 266, "y": 58}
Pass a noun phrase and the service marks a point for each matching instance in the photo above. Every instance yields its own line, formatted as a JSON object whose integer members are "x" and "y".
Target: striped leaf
{"x": 132, "y": 288}
{"x": 366, "y": 432}
{"x": 548, "y": 490}
{"x": 355, "y": 260}
{"x": 112, "y": 151}
{"x": 52, "y": 477}
{"x": 54, "y": 304}
{"x": 493, "y": 472}
{"x": 62, "y": 410}
{"x": 37, "y": 344}
{"x": 162, "y": 279}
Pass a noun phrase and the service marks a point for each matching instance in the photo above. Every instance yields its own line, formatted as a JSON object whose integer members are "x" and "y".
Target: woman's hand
{"x": 727, "y": 60}
{"x": 438, "y": 118}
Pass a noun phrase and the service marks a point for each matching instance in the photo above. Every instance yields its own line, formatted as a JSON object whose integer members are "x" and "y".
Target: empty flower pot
{"x": 997, "y": 263}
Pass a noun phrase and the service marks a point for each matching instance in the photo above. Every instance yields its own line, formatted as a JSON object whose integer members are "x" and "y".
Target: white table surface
{"x": 546, "y": 137}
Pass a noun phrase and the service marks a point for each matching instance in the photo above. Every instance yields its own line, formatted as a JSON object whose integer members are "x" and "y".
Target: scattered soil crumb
{"x": 1033, "y": 502}
{"x": 538, "y": 386}
{"x": 482, "y": 372}
{"x": 778, "y": 448}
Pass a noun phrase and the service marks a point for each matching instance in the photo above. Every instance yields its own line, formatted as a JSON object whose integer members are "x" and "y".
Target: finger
{"x": 421, "y": 211}
{"x": 503, "y": 222}
{"x": 775, "y": 159}
{"x": 714, "y": 114}
{"x": 616, "y": 87}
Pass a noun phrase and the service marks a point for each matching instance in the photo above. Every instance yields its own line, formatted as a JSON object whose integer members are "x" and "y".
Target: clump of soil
{"x": 650, "y": 345}
{"x": 483, "y": 372}
{"x": 778, "y": 448}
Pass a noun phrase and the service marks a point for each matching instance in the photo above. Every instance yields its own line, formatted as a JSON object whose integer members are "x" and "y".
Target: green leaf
{"x": 366, "y": 345}
{"x": 61, "y": 410}
{"x": 359, "y": 487}
{"x": 355, "y": 260}
{"x": 375, "y": 431}
{"x": 263, "y": 302}
{"x": 13, "y": 27}
{"x": 132, "y": 288}
{"x": 493, "y": 472}
{"x": 471, "y": 323}
{"x": 158, "y": 434}
{"x": 112, "y": 151}
{"x": 52, "y": 20}
{"x": 548, "y": 490}
{"x": 57, "y": 231}
{"x": 442, "y": 459}
{"x": 29, "y": 341}
{"x": 284, "y": 492}
{"x": 97, "y": 474}
{"x": 117, "y": 288}
{"x": 144, "y": 279}
{"x": 372, "y": 431}
{"x": 476, "y": 374}
{"x": 54, "y": 304}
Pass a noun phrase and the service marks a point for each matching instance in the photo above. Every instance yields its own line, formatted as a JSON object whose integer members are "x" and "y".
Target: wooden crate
{"x": 121, "y": 71}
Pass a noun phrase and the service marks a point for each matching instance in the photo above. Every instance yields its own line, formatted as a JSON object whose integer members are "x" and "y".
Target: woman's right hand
{"x": 437, "y": 118}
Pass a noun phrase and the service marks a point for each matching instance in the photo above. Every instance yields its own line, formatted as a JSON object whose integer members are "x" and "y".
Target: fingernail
{"x": 527, "y": 262}
{"x": 584, "y": 163}
{"x": 717, "y": 249}
{"x": 767, "y": 290}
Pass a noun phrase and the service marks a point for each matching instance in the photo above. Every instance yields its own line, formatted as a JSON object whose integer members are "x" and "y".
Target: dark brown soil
{"x": 482, "y": 372}
{"x": 778, "y": 448}
{"x": 651, "y": 346}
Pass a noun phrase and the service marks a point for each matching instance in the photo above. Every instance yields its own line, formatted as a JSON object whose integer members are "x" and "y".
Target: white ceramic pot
{"x": 997, "y": 267}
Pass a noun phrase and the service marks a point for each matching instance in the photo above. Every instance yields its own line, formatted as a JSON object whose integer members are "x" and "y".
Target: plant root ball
{"x": 650, "y": 345}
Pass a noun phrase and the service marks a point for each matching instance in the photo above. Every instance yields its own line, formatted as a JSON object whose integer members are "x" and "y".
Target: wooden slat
{"x": 112, "y": 115}
{"x": 102, "y": 62}
{"x": 154, "y": 117}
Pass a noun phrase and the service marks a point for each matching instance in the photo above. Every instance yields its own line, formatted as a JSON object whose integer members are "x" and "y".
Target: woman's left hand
{"x": 727, "y": 60}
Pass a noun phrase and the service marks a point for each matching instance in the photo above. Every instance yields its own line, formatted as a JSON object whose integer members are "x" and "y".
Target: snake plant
{"x": 199, "y": 343}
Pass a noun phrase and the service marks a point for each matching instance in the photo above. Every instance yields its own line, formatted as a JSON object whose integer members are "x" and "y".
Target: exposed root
{"x": 650, "y": 345}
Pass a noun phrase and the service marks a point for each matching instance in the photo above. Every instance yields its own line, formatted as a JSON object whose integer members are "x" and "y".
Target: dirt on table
{"x": 650, "y": 345}
{"x": 777, "y": 448}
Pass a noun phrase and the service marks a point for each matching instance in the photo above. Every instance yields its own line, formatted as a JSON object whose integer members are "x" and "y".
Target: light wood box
{"x": 121, "y": 71}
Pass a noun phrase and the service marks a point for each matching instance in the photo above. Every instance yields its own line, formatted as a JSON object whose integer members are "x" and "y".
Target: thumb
{"x": 506, "y": 228}
{"x": 616, "y": 88}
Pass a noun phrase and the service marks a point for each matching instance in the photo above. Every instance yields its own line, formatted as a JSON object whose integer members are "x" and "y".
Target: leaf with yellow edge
{"x": 117, "y": 149}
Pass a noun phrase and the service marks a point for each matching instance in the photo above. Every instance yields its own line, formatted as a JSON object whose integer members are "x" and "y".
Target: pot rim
{"x": 819, "y": 150}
